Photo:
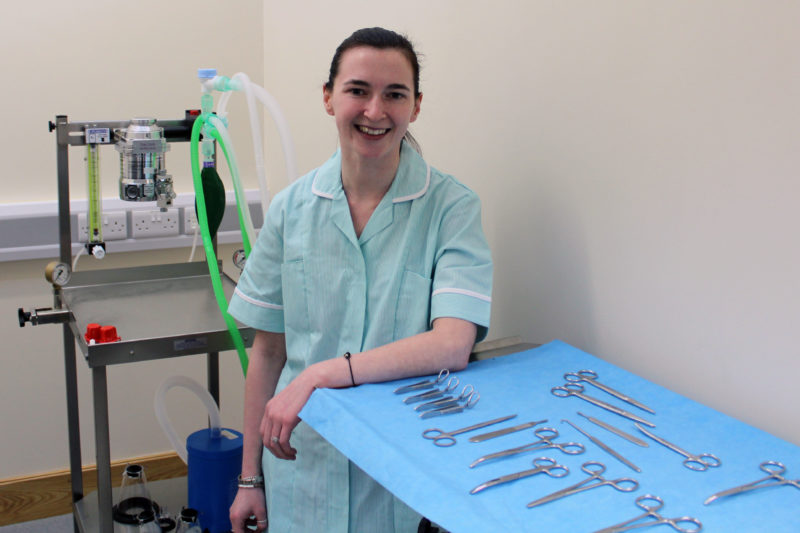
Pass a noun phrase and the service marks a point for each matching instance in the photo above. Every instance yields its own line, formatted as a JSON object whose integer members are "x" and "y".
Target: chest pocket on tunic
{"x": 295, "y": 308}
{"x": 412, "y": 315}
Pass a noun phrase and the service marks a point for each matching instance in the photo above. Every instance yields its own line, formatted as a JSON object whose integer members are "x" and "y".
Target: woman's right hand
{"x": 249, "y": 502}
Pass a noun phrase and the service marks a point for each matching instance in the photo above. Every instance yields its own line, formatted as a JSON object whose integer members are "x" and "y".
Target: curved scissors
{"x": 775, "y": 471}
{"x": 595, "y": 470}
{"x": 541, "y": 465}
{"x": 576, "y": 389}
{"x": 590, "y": 377}
{"x": 546, "y": 436}
{"x": 698, "y": 463}
{"x": 650, "y": 504}
{"x": 444, "y": 438}
{"x": 424, "y": 384}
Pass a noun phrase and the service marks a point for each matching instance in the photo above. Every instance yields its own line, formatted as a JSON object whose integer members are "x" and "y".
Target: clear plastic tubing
{"x": 95, "y": 207}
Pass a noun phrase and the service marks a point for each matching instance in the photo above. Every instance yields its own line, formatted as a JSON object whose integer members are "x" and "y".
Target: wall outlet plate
{"x": 155, "y": 223}
{"x": 189, "y": 220}
{"x": 114, "y": 224}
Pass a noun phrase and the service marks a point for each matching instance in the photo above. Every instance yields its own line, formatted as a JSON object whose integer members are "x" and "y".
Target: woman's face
{"x": 373, "y": 101}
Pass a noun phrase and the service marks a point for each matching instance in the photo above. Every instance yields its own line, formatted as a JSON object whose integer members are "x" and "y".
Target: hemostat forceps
{"x": 424, "y": 384}
{"x": 433, "y": 394}
{"x": 699, "y": 463}
{"x": 546, "y": 436}
{"x": 650, "y": 509}
{"x": 595, "y": 479}
{"x": 445, "y": 438}
{"x": 775, "y": 471}
{"x": 590, "y": 377}
{"x": 576, "y": 389}
{"x": 541, "y": 465}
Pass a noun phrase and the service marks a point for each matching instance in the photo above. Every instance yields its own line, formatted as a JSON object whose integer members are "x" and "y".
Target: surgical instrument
{"x": 471, "y": 400}
{"x": 576, "y": 389}
{"x": 699, "y": 463}
{"x": 590, "y": 377}
{"x": 506, "y": 431}
{"x": 445, "y": 438}
{"x": 605, "y": 447}
{"x": 424, "y": 384}
{"x": 775, "y": 471}
{"x": 452, "y": 383}
{"x": 615, "y": 431}
{"x": 541, "y": 465}
{"x": 595, "y": 470}
{"x": 447, "y": 401}
{"x": 650, "y": 512}
{"x": 546, "y": 436}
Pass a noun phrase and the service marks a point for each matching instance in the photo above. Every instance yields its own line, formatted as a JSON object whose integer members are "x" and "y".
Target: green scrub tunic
{"x": 421, "y": 256}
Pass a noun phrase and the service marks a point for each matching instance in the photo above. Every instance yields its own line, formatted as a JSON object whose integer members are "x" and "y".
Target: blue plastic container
{"x": 215, "y": 462}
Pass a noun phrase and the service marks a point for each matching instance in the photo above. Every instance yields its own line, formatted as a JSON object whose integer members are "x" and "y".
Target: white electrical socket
{"x": 155, "y": 223}
{"x": 114, "y": 224}
{"x": 189, "y": 220}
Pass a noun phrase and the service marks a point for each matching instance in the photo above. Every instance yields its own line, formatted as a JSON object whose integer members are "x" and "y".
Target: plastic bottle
{"x": 187, "y": 523}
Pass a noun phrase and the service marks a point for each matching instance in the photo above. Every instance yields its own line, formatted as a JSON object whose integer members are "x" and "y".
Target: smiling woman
{"x": 374, "y": 254}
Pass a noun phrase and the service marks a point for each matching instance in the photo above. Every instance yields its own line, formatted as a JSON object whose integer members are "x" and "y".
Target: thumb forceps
{"x": 775, "y": 471}
{"x": 576, "y": 389}
{"x": 541, "y": 465}
{"x": 595, "y": 470}
{"x": 698, "y": 463}
{"x": 690, "y": 524}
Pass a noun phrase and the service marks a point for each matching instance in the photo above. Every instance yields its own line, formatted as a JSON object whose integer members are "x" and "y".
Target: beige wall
{"x": 636, "y": 160}
{"x": 96, "y": 60}
{"x": 638, "y": 167}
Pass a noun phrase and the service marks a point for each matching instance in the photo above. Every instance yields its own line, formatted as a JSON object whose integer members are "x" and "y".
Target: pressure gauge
{"x": 58, "y": 273}
{"x": 239, "y": 259}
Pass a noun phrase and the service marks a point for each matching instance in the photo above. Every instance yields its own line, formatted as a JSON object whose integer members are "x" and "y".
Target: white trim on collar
{"x": 316, "y": 191}
{"x": 421, "y": 191}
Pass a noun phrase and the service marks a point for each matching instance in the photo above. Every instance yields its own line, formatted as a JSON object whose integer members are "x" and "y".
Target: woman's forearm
{"x": 267, "y": 358}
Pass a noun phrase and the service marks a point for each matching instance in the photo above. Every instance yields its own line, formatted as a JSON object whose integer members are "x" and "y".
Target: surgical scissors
{"x": 444, "y": 438}
{"x": 541, "y": 465}
{"x": 590, "y": 377}
{"x": 447, "y": 401}
{"x": 650, "y": 512}
{"x": 775, "y": 471}
{"x": 576, "y": 389}
{"x": 546, "y": 436}
{"x": 424, "y": 384}
{"x": 433, "y": 394}
{"x": 698, "y": 463}
{"x": 595, "y": 470}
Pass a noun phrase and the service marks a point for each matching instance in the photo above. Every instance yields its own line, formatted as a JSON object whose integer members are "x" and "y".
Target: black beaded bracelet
{"x": 350, "y": 366}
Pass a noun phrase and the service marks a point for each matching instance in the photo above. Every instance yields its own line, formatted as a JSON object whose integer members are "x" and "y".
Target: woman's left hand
{"x": 281, "y": 416}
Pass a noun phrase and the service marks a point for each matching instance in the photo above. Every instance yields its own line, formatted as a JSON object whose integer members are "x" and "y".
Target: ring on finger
{"x": 274, "y": 440}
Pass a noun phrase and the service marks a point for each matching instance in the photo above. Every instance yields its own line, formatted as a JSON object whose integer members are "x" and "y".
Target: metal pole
{"x": 102, "y": 449}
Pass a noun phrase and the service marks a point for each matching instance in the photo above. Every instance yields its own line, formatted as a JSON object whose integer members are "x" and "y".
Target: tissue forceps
{"x": 541, "y": 465}
{"x": 546, "y": 436}
{"x": 590, "y": 377}
{"x": 576, "y": 389}
{"x": 595, "y": 470}
{"x": 448, "y": 438}
{"x": 424, "y": 384}
{"x": 650, "y": 512}
{"x": 698, "y": 463}
{"x": 775, "y": 471}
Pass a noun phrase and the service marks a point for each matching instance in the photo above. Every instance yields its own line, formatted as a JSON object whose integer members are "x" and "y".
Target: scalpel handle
{"x": 506, "y": 431}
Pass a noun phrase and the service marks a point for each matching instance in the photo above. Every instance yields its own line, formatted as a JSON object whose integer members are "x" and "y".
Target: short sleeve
{"x": 462, "y": 281}
{"x": 258, "y": 299}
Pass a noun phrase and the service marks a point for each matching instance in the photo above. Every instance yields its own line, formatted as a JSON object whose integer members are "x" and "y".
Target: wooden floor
{"x": 34, "y": 497}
